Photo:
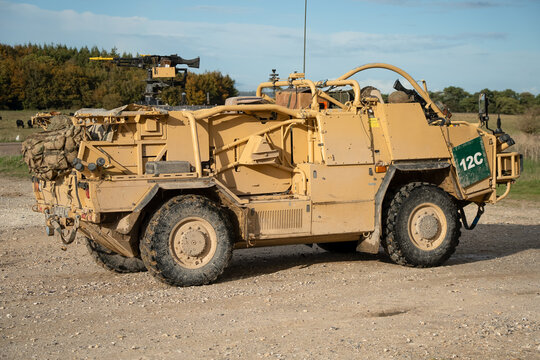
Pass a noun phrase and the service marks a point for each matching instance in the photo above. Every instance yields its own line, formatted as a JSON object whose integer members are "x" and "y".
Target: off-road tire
{"x": 170, "y": 247}
{"x": 342, "y": 247}
{"x": 113, "y": 261}
{"x": 402, "y": 213}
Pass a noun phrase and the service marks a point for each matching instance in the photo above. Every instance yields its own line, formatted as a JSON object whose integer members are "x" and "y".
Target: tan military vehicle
{"x": 302, "y": 162}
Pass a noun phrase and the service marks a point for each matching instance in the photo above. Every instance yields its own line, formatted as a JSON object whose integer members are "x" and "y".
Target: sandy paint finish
{"x": 304, "y": 171}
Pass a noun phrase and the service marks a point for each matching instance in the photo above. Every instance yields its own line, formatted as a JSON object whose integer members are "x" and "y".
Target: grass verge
{"x": 527, "y": 187}
{"x": 13, "y": 166}
{"x": 509, "y": 123}
{"x": 8, "y": 127}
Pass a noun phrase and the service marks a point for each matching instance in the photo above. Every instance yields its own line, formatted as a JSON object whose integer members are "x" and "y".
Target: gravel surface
{"x": 10, "y": 148}
{"x": 290, "y": 302}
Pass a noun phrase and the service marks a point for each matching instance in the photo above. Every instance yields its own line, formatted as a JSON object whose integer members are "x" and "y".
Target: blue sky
{"x": 471, "y": 44}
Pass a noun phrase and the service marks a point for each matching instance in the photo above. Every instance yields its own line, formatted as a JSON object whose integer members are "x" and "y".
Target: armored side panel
{"x": 408, "y": 134}
{"x": 342, "y": 198}
{"x": 246, "y": 134}
{"x": 345, "y": 139}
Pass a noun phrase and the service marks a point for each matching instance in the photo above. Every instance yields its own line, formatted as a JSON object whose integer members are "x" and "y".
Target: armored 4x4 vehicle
{"x": 322, "y": 162}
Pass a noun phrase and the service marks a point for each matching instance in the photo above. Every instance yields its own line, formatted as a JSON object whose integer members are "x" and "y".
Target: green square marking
{"x": 471, "y": 162}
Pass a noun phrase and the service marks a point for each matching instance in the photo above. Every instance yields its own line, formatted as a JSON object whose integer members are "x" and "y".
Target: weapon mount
{"x": 161, "y": 72}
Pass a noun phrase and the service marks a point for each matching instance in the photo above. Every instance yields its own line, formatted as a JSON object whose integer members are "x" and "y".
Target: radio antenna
{"x": 305, "y": 18}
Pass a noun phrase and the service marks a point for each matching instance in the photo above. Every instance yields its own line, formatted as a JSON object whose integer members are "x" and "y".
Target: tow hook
{"x": 479, "y": 213}
{"x": 68, "y": 236}
{"x": 53, "y": 226}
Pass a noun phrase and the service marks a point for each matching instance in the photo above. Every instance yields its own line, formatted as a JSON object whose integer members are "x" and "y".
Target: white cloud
{"x": 222, "y": 9}
{"x": 446, "y": 4}
{"x": 245, "y": 51}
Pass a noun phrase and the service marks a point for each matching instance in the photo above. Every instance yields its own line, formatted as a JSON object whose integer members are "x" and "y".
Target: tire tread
{"x": 148, "y": 246}
{"x": 391, "y": 206}
{"x": 109, "y": 260}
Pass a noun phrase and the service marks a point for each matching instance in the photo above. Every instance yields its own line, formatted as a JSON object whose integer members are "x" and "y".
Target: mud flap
{"x": 371, "y": 243}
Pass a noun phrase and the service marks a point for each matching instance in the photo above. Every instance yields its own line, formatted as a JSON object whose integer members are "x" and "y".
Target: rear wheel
{"x": 421, "y": 226}
{"x": 188, "y": 241}
{"x": 113, "y": 261}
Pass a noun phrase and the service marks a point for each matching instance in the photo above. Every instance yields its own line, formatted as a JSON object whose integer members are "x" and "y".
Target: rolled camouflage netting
{"x": 398, "y": 97}
{"x": 49, "y": 154}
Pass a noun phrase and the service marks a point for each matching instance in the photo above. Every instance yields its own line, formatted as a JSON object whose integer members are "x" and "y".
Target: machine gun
{"x": 416, "y": 98}
{"x": 430, "y": 114}
{"x": 161, "y": 72}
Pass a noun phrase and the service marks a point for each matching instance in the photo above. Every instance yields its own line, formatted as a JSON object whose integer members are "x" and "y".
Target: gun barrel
{"x": 176, "y": 60}
{"x": 150, "y": 60}
{"x": 100, "y": 58}
{"x": 192, "y": 63}
{"x": 399, "y": 87}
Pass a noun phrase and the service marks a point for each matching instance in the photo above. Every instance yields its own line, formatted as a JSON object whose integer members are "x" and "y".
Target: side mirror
{"x": 483, "y": 104}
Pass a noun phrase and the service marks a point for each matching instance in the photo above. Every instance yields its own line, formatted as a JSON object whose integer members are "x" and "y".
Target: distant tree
{"x": 508, "y": 93}
{"x": 506, "y": 105}
{"x": 469, "y": 104}
{"x": 218, "y": 86}
{"x": 57, "y": 76}
{"x": 172, "y": 96}
{"x": 452, "y": 97}
{"x": 38, "y": 81}
{"x": 526, "y": 100}
{"x": 112, "y": 100}
{"x": 436, "y": 96}
{"x": 490, "y": 94}
{"x": 11, "y": 86}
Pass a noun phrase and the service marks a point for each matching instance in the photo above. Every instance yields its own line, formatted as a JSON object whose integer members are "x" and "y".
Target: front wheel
{"x": 421, "y": 226}
{"x": 187, "y": 242}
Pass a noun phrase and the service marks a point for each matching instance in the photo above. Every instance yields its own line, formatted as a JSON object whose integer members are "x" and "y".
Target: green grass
{"x": 509, "y": 123}
{"x": 13, "y": 166}
{"x": 8, "y": 127}
{"x": 527, "y": 187}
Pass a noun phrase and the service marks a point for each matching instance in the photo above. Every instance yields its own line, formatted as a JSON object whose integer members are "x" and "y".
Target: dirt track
{"x": 292, "y": 302}
{"x": 10, "y": 148}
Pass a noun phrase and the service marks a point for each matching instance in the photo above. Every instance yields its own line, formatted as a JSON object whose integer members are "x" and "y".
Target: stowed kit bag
{"x": 49, "y": 154}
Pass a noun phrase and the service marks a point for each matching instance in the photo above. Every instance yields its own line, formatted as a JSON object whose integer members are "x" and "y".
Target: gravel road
{"x": 292, "y": 302}
{"x": 9, "y": 149}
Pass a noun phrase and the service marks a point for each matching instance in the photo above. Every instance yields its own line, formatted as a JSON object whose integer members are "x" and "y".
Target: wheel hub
{"x": 193, "y": 242}
{"x": 427, "y": 227}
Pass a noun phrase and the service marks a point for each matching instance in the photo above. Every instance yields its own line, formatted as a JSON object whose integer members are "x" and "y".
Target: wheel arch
{"x": 121, "y": 231}
{"x": 202, "y": 257}
{"x": 438, "y": 173}
{"x": 208, "y": 188}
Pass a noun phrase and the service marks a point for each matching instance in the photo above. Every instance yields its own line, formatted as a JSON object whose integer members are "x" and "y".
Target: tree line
{"x": 504, "y": 102}
{"x": 60, "y": 77}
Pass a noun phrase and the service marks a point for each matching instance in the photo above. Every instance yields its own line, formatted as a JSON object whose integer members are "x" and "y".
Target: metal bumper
{"x": 509, "y": 167}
